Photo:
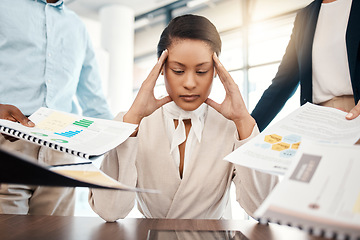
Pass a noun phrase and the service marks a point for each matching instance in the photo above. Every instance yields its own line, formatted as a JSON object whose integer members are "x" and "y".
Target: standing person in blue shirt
{"x": 323, "y": 57}
{"x": 46, "y": 60}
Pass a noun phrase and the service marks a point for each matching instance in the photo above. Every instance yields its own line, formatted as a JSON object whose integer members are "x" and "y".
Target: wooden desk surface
{"x": 86, "y": 228}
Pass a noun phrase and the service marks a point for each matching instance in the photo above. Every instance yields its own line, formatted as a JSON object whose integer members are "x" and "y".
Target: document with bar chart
{"x": 81, "y": 136}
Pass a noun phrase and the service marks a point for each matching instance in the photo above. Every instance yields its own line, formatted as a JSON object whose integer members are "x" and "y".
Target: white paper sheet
{"x": 319, "y": 193}
{"x": 275, "y": 149}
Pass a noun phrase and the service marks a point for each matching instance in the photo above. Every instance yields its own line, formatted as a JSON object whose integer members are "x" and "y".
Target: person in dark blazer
{"x": 308, "y": 64}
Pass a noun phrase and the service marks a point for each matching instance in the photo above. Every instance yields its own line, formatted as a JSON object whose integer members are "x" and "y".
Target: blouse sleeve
{"x": 252, "y": 187}
{"x": 119, "y": 164}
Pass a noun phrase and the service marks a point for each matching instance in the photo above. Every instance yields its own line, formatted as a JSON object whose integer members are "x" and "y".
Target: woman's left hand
{"x": 233, "y": 106}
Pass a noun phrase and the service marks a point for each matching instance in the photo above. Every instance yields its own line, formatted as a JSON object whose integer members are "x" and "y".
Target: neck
{"x": 51, "y": 1}
{"x": 328, "y": 1}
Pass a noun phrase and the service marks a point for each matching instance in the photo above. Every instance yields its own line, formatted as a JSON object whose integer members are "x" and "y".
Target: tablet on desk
{"x": 195, "y": 235}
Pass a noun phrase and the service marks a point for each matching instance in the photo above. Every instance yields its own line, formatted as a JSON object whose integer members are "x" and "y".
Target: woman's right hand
{"x": 145, "y": 102}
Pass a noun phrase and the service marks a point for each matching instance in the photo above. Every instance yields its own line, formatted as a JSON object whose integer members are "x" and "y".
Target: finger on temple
{"x": 155, "y": 72}
{"x": 224, "y": 75}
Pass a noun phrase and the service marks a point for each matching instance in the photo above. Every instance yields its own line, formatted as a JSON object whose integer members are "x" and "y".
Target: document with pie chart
{"x": 276, "y": 148}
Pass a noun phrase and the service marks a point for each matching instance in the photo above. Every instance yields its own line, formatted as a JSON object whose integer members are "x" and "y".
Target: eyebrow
{"x": 183, "y": 65}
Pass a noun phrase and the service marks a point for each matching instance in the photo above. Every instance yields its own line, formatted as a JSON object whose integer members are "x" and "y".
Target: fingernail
{"x": 215, "y": 56}
{"x": 218, "y": 61}
{"x": 161, "y": 55}
{"x": 349, "y": 115}
{"x": 31, "y": 124}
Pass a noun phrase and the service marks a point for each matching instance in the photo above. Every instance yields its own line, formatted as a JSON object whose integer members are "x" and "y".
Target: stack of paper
{"x": 276, "y": 148}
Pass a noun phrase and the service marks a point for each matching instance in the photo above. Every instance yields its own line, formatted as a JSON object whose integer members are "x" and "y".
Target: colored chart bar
{"x": 83, "y": 123}
{"x": 69, "y": 134}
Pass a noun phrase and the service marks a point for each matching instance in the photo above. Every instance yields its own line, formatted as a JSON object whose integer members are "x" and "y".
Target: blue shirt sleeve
{"x": 89, "y": 91}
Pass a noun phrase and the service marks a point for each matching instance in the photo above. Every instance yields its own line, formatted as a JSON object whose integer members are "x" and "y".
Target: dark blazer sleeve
{"x": 284, "y": 84}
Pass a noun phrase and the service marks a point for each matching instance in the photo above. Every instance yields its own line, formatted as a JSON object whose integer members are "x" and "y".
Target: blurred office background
{"x": 124, "y": 34}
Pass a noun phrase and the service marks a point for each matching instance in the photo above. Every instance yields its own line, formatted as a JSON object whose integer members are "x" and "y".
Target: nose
{"x": 190, "y": 81}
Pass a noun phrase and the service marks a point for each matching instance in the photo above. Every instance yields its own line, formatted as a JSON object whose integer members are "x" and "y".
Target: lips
{"x": 189, "y": 98}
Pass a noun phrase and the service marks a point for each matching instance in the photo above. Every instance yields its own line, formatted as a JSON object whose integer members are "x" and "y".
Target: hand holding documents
{"x": 275, "y": 149}
{"x": 320, "y": 194}
{"x": 81, "y": 136}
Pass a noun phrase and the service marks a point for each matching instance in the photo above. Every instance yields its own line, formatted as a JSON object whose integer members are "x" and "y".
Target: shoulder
{"x": 74, "y": 19}
{"x": 217, "y": 120}
{"x": 152, "y": 123}
{"x": 309, "y": 8}
{"x": 216, "y": 116}
{"x": 70, "y": 13}
{"x": 155, "y": 117}
{"x": 305, "y": 15}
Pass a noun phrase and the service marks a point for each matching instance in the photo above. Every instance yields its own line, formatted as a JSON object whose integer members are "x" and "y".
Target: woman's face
{"x": 189, "y": 72}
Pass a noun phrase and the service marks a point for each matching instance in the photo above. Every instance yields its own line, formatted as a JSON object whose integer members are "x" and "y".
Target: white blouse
{"x": 203, "y": 191}
{"x": 331, "y": 76}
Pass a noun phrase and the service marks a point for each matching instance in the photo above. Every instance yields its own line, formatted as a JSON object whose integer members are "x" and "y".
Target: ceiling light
{"x": 195, "y": 3}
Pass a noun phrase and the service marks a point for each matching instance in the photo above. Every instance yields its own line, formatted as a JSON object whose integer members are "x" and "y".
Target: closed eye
{"x": 201, "y": 72}
{"x": 177, "y": 71}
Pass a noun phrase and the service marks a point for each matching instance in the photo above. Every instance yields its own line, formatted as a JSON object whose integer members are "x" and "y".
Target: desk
{"x": 86, "y": 228}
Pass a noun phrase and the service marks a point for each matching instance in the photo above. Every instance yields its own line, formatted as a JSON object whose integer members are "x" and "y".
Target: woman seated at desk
{"x": 182, "y": 138}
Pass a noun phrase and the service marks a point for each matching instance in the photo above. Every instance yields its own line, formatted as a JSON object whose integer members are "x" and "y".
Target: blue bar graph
{"x": 69, "y": 134}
